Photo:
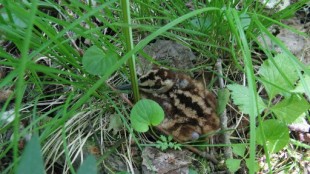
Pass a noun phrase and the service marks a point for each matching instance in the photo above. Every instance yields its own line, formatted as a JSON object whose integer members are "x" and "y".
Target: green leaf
{"x": 291, "y": 108}
{"x": 31, "y": 160}
{"x": 241, "y": 97}
{"x": 245, "y": 20}
{"x": 248, "y": 163}
{"x": 192, "y": 171}
{"x": 239, "y": 149}
{"x": 300, "y": 88}
{"x": 146, "y": 113}
{"x": 96, "y": 62}
{"x": 223, "y": 98}
{"x": 115, "y": 124}
{"x": 16, "y": 20}
{"x": 276, "y": 135}
{"x": 201, "y": 23}
{"x": 170, "y": 138}
{"x": 278, "y": 77}
{"x": 88, "y": 166}
{"x": 163, "y": 138}
{"x": 233, "y": 164}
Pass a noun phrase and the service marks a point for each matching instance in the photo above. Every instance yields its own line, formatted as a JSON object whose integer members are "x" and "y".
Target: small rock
{"x": 168, "y": 53}
{"x": 4, "y": 95}
{"x": 171, "y": 161}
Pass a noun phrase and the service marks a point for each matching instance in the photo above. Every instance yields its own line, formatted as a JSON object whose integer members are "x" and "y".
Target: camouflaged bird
{"x": 190, "y": 109}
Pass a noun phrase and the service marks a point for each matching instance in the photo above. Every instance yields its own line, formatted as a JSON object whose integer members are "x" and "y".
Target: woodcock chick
{"x": 190, "y": 109}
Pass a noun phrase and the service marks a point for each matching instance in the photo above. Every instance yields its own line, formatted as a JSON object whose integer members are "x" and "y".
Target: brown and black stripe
{"x": 190, "y": 108}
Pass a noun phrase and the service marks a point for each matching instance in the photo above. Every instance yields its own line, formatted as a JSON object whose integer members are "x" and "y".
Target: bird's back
{"x": 190, "y": 109}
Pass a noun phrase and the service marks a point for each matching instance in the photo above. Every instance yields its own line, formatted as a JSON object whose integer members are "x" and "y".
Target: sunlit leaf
{"x": 146, "y": 113}
{"x": 278, "y": 75}
{"x": 249, "y": 163}
{"x": 239, "y": 149}
{"x": 233, "y": 164}
{"x": 241, "y": 97}
{"x": 291, "y": 108}
{"x": 276, "y": 135}
{"x": 300, "y": 88}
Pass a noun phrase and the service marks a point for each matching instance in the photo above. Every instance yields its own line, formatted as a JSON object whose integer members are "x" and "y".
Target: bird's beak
{"x": 124, "y": 87}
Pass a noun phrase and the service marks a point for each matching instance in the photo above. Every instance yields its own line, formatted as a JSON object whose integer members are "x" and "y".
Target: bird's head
{"x": 157, "y": 81}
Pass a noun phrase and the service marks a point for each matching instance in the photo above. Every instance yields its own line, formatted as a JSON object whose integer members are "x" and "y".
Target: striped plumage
{"x": 190, "y": 109}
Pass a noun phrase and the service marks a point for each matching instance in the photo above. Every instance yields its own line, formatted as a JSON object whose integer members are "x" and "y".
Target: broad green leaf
{"x": 223, "y": 98}
{"x": 278, "y": 77}
{"x": 276, "y": 135}
{"x": 300, "y": 88}
{"x": 291, "y": 108}
{"x": 239, "y": 149}
{"x": 146, "y": 113}
{"x": 31, "y": 160}
{"x": 88, "y": 166}
{"x": 240, "y": 95}
{"x": 233, "y": 165}
{"x": 96, "y": 62}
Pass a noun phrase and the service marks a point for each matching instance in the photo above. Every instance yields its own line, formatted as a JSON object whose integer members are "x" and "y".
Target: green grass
{"x": 86, "y": 103}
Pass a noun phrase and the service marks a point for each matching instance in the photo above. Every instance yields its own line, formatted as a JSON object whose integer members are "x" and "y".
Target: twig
{"x": 122, "y": 95}
{"x": 223, "y": 116}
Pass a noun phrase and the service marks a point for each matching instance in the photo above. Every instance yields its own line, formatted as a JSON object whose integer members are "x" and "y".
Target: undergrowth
{"x": 63, "y": 60}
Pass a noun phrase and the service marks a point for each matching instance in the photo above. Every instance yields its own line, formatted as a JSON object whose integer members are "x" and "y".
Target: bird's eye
{"x": 183, "y": 83}
{"x": 195, "y": 135}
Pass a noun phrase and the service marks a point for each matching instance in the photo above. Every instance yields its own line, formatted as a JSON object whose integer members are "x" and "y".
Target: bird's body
{"x": 190, "y": 109}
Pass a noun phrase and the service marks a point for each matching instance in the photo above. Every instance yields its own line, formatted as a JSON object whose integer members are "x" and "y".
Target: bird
{"x": 190, "y": 109}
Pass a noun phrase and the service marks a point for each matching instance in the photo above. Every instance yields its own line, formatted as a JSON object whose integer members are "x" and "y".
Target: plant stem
{"x": 228, "y": 151}
{"x": 129, "y": 46}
